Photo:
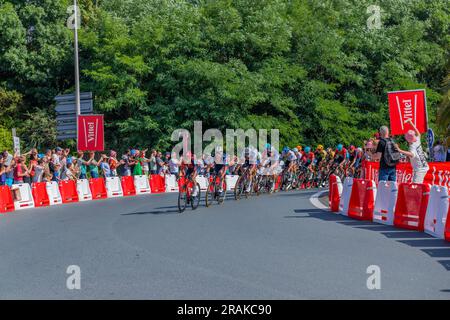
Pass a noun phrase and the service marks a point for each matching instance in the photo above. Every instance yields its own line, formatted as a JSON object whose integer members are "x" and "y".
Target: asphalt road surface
{"x": 268, "y": 247}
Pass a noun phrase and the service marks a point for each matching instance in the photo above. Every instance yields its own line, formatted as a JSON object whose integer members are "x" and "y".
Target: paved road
{"x": 267, "y": 247}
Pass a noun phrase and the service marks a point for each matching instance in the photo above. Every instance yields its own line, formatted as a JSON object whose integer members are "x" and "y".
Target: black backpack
{"x": 391, "y": 155}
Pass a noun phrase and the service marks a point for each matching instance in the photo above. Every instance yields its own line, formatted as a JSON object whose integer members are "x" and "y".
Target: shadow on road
{"x": 435, "y": 248}
{"x": 151, "y": 212}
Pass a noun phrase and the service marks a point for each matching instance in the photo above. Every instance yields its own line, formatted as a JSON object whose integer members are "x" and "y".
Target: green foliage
{"x": 309, "y": 68}
{"x": 6, "y": 140}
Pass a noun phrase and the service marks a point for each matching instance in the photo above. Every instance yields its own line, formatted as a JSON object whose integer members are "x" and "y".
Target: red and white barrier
{"x": 6, "y": 200}
{"x": 40, "y": 195}
{"x": 230, "y": 181}
{"x": 411, "y": 206}
{"x": 54, "y": 195}
{"x": 68, "y": 191}
{"x": 142, "y": 185}
{"x": 437, "y": 211}
{"x": 334, "y": 194}
{"x": 25, "y": 197}
{"x": 362, "y": 199}
{"x": 84, "y": 192}
{"x": 98, "y": 188}
{"x": 157, "y": 183}
{"x": 203, "y": 182}
{"x": 345, "y": 196}
{"x": 171, "y": 183}
{"x": 385, "y": 202}
{"x": 128, "y": 187}
{"x": 113, "y": 187}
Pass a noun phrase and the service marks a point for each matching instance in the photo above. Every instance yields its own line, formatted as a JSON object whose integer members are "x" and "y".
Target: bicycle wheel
{"x": 221, "y": 191}
{"x": 182, "y": 199}
{"x": 210, "y": 192}
{"x": 239, "y": 188}
{"x": 195, "y": 200}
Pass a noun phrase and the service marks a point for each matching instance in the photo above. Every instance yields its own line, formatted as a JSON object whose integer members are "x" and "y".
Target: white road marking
{"x": 314, "y": 199}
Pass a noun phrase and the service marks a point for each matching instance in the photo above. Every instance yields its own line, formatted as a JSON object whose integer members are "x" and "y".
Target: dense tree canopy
{"x": 312, "y": 69}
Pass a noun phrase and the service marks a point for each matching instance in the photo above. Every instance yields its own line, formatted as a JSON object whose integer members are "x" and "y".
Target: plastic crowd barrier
{"x": 25, "y": 197}
{"x": 334, "y": 194}
{"x": 411, "y": 206}
{"x": 437, "y": 211}
{"x": 157, "y": 183}
{"x": 113, "y": 187}
{"x": 171, "y": 183}
{"x": 84, "y": 192}
{"x": 385, "y": 202}
{"x": 447, "y": 227}
{"x": 6, "y": 200}
{"x": 54, "y": 195}
{"x": 230, "y": 181}
{"x": 40, "y": 195}
{"x": 98, "y": 188}
{"x": 362, "y": 199}
{"x": 141, "y": 183}
{"x": 68, "y": 190}
{"x": 128, "y": 187}
{"x": 203, "y": 182}
{"x": 345, "y": 196}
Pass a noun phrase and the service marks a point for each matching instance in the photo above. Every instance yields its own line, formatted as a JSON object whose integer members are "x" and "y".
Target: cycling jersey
{"x": 320, "y": 155}
{"x": 308, "y": 158}
{"x": 340, "y": 156}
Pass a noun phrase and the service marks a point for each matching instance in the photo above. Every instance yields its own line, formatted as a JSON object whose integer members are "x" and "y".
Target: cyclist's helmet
{"x": 352, "y": 148}
{"x": 267, "y": 146}
{"x": 339, "y": 147}
{"x": 247, "y": 151}
{"x": 307, "y": 149}
{"x": 299, "y": 148}
{"x": 285, "y": 149}
{"x": 320, "y": 147}
{"x": 295, "y": 150}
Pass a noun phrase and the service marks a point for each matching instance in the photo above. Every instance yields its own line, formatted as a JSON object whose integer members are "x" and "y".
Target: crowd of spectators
{"x": 60, "y": 164}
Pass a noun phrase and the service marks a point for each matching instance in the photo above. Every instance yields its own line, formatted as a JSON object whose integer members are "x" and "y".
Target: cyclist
{"x": 289, "y": 158}
{"x": 221, "y": 165}
{"x": 320, "y": 155}
{"x": 189, "y": 170}
{"x": 355, "y": 157}
{"x": 270, "y": 159}
{"x": 341, "y": 155}
{"x": 308, "y": 158}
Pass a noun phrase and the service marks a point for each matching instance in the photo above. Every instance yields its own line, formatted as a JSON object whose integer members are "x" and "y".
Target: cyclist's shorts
{"x": 218, "y": 167}
{"x": 189, "y": 172}
{"x": 339, "y": 159}
{"x": 287, "y": 163}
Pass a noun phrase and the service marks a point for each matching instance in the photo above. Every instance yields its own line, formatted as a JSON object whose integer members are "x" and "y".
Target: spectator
{"x": 137, "y": 168}
{"x": 152, "y": 163}
{"x": 174, "y": 165}
{"x": 69, "y": 172}
{"x": 388, "y": 155}
{"x": 93, "y": 165}
{"x": 104, "y": 166}
{"x": 2, "y": 171}
{"x": 113, "y": 163}
{"x": 126, "y": 163}
{"x": 38, "y": 171}
{"x": 416, "y": 155}
{"x": 20, "y": 171}
{"x": 439, "y": 152}
{"x": 56, "y": 176}
{"x": 82, "y": 165}
{"x": 144, "y": 163}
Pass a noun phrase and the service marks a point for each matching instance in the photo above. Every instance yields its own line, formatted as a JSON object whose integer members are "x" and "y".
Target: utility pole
{"x": 77, "y": 70}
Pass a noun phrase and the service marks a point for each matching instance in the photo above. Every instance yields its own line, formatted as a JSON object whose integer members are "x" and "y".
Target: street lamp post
{"x": 77, "y": 71}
